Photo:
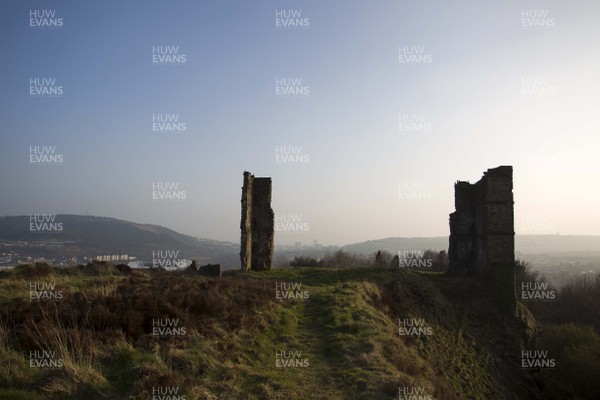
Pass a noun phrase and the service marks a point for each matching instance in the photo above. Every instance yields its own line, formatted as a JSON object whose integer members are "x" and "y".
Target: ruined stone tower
{"x": 257, "y": 224}
{"x": 482, "y": 234}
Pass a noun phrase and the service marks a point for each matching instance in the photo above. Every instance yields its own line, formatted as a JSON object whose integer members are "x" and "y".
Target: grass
{"x": 347, "y": 329}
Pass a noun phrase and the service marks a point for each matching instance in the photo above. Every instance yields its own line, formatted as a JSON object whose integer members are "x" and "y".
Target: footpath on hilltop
{"x": 302, "y": 333}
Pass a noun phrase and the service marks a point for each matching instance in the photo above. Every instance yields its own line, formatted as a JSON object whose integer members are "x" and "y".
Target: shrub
{"x": 576, "y": 350}
{"x": 305, "y": 262}
{"x": 36, "y": 270}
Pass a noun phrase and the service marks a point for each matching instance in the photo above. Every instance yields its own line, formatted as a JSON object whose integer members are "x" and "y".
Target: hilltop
{"x": 341, "y": 329}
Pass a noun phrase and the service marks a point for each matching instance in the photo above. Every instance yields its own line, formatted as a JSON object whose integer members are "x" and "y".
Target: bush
{"x": 204, "y": 305}
{"x": 576, "y": 350}
{"x": 383, "y": 259}
{"x": 36, "y": 270}
{"x": 439, "y": 260}
{"x": 342, "y": 259}
{"x": 305, "y": 262}
{"x": 542, "y": 310}
{"x": 579, "y": 302}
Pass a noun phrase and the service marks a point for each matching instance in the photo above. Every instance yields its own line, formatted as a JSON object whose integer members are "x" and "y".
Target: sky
{"x": 363, "y": 113}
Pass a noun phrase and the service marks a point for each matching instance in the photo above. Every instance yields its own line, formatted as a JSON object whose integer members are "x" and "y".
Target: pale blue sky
{"x": 471, "y": 94}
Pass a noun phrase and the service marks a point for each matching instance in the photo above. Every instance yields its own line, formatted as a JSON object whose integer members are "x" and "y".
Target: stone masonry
{"x": 257, "y": 224}
{"x": 482, "y": 234}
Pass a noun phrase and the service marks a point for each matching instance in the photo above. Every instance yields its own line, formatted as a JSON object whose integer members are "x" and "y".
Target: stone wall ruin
{"x": 482, "y": 234}
{"x": 257, "y": 224}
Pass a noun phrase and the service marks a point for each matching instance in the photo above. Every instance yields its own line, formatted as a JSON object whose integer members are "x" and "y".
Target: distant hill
{"x": 525, "y": 244}
{"x": 396, "y": 244}
{"x": 531, "y": 244}
{"x": 89, "y": 236}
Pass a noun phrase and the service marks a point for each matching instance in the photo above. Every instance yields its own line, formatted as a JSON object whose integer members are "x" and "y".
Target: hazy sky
{"x": 495, "y": 83}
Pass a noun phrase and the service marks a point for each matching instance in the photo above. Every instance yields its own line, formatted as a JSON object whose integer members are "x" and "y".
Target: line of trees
{"x": 571, "y": 327}
{"x": 577, "y": 302}
{"x": 431, "y": 260}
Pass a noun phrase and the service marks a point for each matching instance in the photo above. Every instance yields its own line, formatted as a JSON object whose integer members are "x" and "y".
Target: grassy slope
{"x": 347, "y": 329}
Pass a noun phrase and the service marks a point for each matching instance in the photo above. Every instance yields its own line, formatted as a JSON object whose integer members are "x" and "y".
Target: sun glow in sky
{"x": 363, "y": 113}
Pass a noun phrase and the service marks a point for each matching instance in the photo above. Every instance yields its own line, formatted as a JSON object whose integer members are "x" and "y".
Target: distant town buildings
{"x": 114, "y": 257}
